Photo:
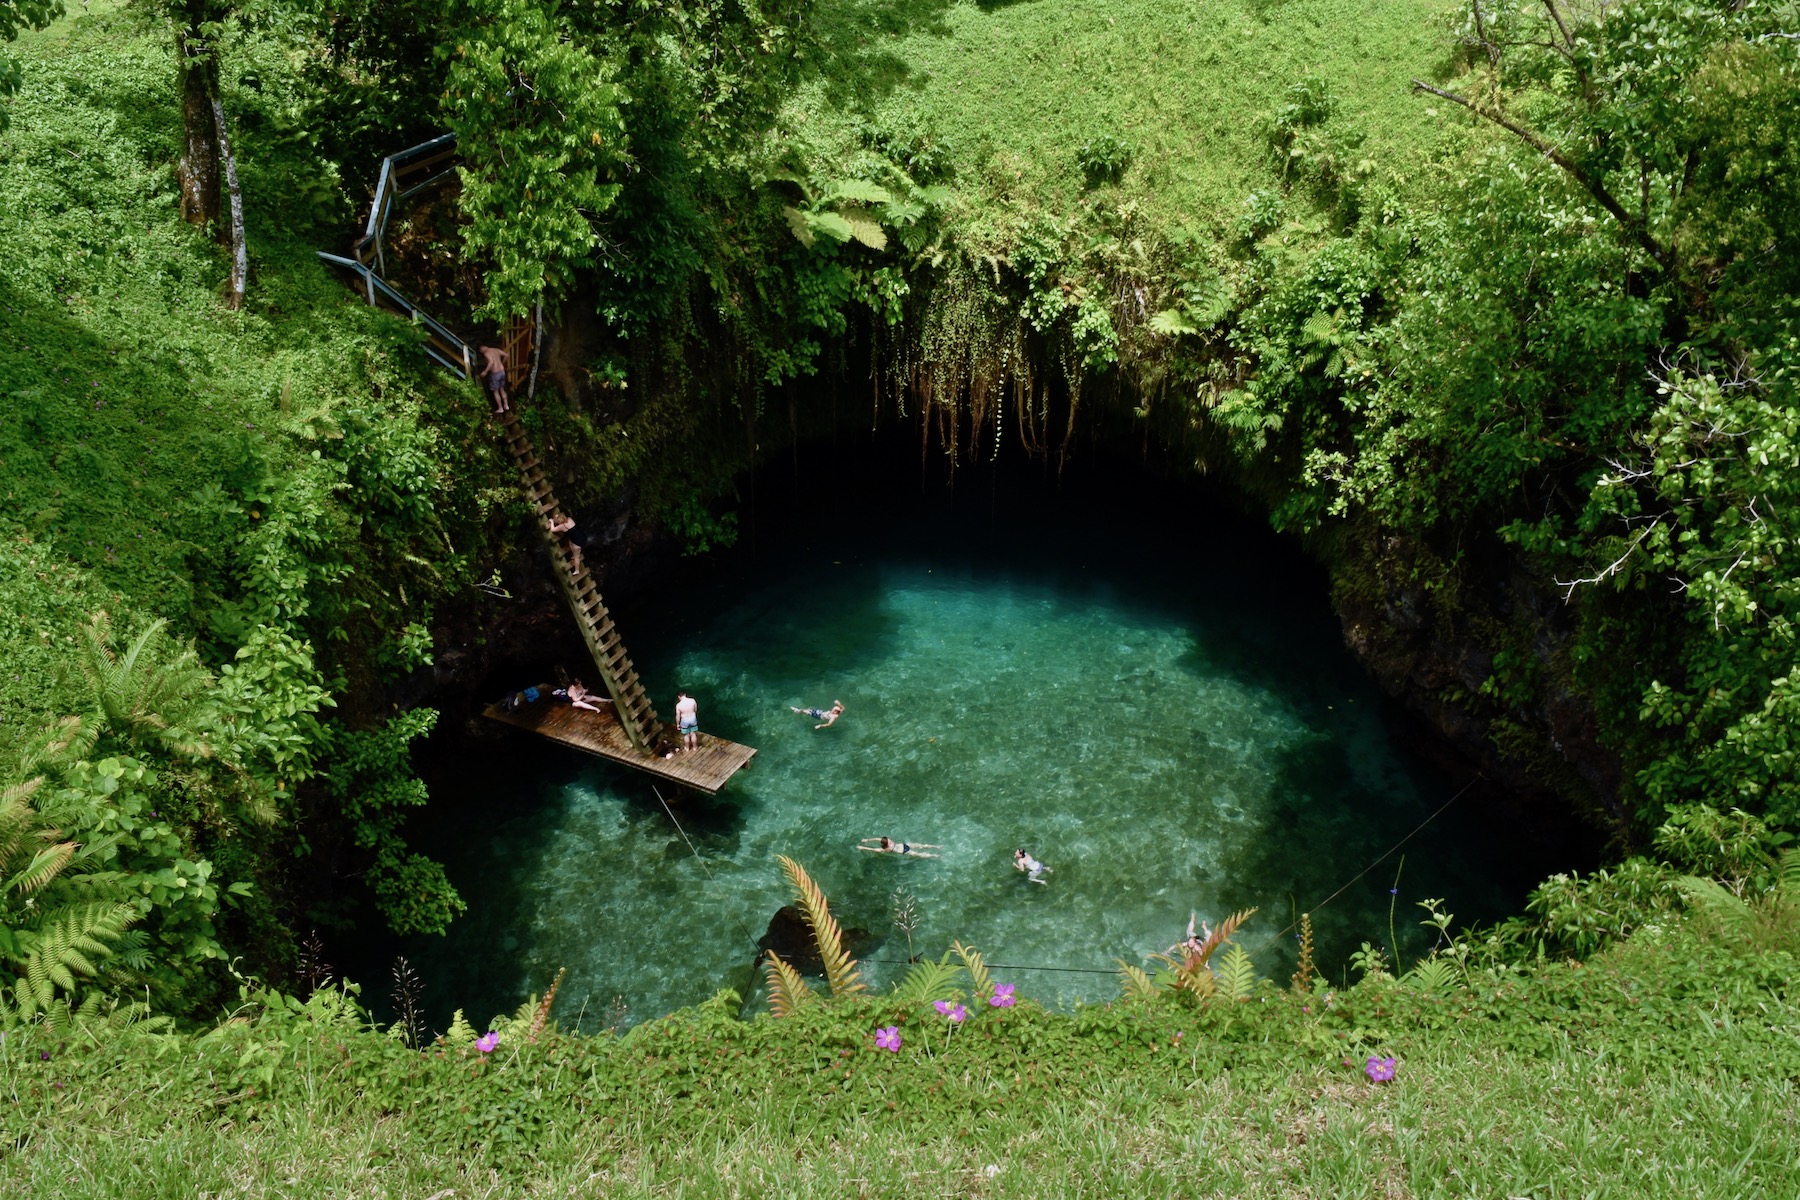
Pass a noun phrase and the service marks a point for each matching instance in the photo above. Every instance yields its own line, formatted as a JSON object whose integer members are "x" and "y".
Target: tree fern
{"x": 787, "y": 991}
{"x": 929, "y": 980}
{"x": 840, "y": 968}
{"x": 1235, "y": 974}
{"x": 972, "y": 962}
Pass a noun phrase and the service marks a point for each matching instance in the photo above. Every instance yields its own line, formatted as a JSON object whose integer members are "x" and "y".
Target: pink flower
{"x": 956, "y": 1012}
{"x": 1379, "y": 1070}
{"x": 888, "y": 1038}
{"x": 1003, "y": 996}
{"x": 487, "y": 1041}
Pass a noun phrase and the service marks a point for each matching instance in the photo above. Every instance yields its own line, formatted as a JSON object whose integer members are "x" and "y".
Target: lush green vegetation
{"x": 1534, "y": 320}
{"x": 1665, "y": 1063}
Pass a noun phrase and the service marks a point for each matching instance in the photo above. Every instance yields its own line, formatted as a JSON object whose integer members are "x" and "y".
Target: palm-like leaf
{"x": 154, "y": 689}
{"x": 787, "y": 991}
{"x": 1787, "y": 875}
{"x": 1138, "y": 985}
{"x": 1235, "y": 974}
{"x": 927, "y": 981}
{"x": 972, "y": 962}
{"x": 840, "y": 968}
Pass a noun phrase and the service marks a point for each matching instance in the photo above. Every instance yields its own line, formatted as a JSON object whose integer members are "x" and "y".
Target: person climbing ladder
{"x": 493, "y": 376}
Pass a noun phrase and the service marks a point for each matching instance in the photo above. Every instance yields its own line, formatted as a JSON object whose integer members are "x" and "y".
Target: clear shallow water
{"x": 1168, "y": 736}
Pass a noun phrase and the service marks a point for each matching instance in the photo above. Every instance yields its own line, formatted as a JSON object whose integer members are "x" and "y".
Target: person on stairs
{"x": 493, "y": 375}
{"x": 564, "y": 527}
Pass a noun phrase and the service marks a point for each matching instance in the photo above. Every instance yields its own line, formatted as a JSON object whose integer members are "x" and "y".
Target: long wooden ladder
{"x": 636, "y": 714}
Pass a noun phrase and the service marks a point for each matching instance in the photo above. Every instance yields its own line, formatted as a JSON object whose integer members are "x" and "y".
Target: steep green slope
{"x": 1008, "y": 95}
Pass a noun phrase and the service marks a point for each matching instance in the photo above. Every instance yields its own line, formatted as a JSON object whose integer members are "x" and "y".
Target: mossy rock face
{"x": 1478, "y": 650}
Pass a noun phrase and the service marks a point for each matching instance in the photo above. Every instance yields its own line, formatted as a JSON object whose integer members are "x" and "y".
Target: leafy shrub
{"x": 1104, "y": 159}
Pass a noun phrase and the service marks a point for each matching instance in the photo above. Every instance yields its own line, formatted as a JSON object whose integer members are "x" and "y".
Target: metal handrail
{"x": 443, "y": 346}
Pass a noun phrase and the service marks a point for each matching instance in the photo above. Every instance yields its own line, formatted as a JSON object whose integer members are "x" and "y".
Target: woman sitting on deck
{"x": 580, "y": 697}
{"x": 887, "y": 845}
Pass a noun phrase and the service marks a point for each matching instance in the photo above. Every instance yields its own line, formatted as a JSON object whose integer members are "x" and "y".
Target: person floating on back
{"x": 1032, "y": 867}
{"x": 493, "y": 376}
{"x": 886, "y": 845}
{"x": 824, "y": 717}
{"x": 687, "y": 720}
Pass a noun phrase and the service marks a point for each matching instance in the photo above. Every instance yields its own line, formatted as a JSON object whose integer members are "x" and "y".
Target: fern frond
{"x": 787, "y": 991}
{"x": 460, "y": 1033}
{"x": 1787, "y": 875}
{"x": 1201, "y": 982}
{"x": 1192, "y": 973}
{"x": 928, "y": 981}
{"x": 862, "y": 191}
{"x": 977, "y": 969}
{"x": 1434, "y": 976}
{"x": 864, "y": 228}
{"x": 1136, "y": 981}
{"x": 45, "y": 865}
{"x": 1715, "y": 900}
{"x": 1236, "y": 974}
{"x": 840, "y": 968}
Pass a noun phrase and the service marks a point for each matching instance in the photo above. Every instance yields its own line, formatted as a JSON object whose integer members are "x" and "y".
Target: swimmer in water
{"x": 886, "y": 845}
{"x": 825, "y": 716}
{"x": 1032, "y": 867}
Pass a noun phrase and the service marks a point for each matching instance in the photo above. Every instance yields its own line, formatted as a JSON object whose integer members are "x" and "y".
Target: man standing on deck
{"x": 493, "y": 374}
{"x": 687, "y": 720}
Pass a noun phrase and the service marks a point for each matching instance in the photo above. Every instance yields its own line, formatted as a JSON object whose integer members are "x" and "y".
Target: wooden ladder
{"x": 637, "y": 716}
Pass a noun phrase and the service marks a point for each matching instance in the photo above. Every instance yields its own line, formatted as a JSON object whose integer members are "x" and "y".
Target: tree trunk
{"x": 198, "y": 167}
{"x": 240, "y": 254}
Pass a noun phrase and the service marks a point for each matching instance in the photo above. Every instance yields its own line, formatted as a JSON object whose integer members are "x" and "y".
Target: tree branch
{"x": 1632, "y": 225}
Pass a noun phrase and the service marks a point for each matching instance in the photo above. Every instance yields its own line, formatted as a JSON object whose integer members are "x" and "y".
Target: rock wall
{"x": 1476, "y": 651}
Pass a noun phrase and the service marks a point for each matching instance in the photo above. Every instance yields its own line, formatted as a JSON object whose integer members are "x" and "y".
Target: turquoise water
{"x": 1168, "y": 733}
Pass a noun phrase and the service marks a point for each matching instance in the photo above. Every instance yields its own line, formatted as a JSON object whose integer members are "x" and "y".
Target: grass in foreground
{"x": 1669, "y": 1066}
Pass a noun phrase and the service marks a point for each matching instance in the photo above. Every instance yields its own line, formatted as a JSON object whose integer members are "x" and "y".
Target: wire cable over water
{"x": 738, "y": 921}
{"x": 1344, "y": 887}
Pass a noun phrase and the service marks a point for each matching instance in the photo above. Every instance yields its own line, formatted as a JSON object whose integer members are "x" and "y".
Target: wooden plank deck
{"x": 706, "y": 770}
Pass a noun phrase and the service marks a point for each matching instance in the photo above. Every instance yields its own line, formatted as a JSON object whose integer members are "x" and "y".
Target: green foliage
{"x": 538, "y": 125}
{"x": 60, "y": 918}
{"x": 16, "y": 15}
{"x": 369, "y": 774}
{"x": 1104, "y": 159}
{"x": 1676, "y": 1026}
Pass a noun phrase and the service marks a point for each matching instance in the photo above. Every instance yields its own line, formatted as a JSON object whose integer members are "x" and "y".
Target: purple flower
{"x": 487, "y": 1041}
{"x": 956, "y": 1012}
{"x": 888, "y": 1038}
{"x": 43, "y": 1056}
{"x": 1003, "y": 996}
{"x": 1379, "y": 1070}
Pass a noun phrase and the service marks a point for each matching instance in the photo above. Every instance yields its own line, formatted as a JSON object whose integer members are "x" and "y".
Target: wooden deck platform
{"x": 707, "y": 769}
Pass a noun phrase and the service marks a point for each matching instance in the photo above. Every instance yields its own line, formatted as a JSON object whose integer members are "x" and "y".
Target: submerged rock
{"x": 789, "y": 936}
